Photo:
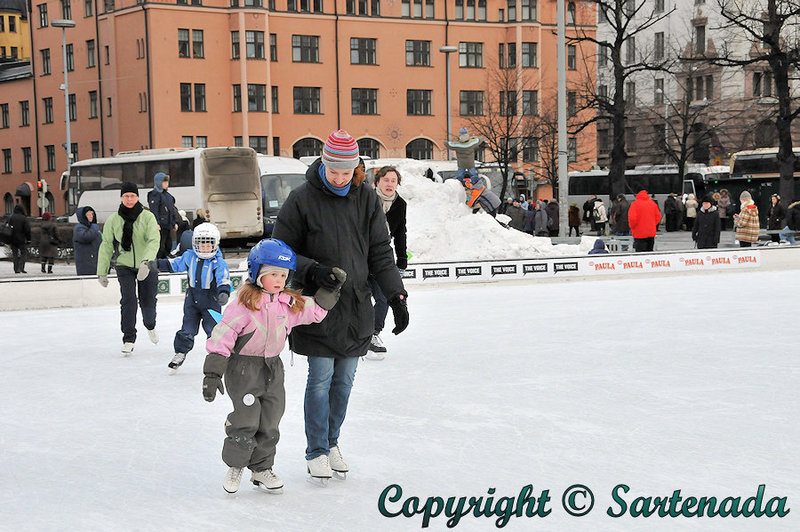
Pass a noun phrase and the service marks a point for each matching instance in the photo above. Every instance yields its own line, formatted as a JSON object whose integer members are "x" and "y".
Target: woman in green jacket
{"x": 132, "y": 234}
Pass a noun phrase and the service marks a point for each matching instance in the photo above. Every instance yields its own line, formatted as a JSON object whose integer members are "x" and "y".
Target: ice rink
{"x": 684, "y": 382}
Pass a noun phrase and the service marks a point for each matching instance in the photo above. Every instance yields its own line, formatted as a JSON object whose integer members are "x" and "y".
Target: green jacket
{"x": 146, "y": 240}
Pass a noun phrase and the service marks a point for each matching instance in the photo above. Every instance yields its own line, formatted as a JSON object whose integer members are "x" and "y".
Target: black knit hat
{"x": 127, "y": 186}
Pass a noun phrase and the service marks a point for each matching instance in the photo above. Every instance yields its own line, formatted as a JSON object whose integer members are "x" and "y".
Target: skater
{"x": 132, "y": 231}
{"x": 619, "y": 216}
{"x": 707, "y": 226}
{"x": 691, "y": 211}
{"x": 162, "y": 205}
{"x": 387, "y": 180}
{"x": 48, "y": 243}
{"x": 643, "y": 219}
{"x": 465, "y": 148}
{"x": 86, "y": 238}
{"x": 725, "y": 208}
{"x": 746, "y": 221}
{"x": 332, "y": 220}
{"x": 574, "y": 219}
{"x": 775, "y": 217}
{"x": 600, "y": 216}
{"x": 20, "y": 238}
{"x": 245, "y": 348}
{"x": 209, "y": 287}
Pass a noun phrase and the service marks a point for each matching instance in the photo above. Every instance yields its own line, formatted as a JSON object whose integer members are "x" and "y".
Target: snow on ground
{"x": 661, "y": 384}
{"x": 441, "y": 227}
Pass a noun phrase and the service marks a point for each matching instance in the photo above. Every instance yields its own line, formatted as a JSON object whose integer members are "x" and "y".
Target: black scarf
{"x": 129, "y": 215}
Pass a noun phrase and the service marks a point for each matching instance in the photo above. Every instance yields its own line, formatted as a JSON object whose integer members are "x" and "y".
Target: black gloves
{"x": 222, "y": 298}
{"x": 153, "y": 265}
{"x": 326, "y": 298}
{"x": 213, "y": 368}
{"x": 324, "y": 277}
{"x": 400, "y": 312}
{"x": 402, "y": 263}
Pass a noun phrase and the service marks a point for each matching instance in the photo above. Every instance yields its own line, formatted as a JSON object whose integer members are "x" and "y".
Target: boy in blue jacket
{"x": 209, "y": 287}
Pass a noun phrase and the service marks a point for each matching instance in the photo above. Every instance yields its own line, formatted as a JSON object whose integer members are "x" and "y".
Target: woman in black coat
{"x": 20, "y": 238}
{"x": 86, "y": 239}
{"x": 707, "y": 225}
{"x": 775, "y": 217}
{"x": 334, "y": 220}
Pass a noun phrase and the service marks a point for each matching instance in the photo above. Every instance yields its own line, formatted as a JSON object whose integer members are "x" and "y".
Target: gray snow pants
{"x": 255, "y": 386}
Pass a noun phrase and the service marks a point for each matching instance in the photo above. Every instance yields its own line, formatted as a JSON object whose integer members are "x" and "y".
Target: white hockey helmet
{"x": 205, "y": 233}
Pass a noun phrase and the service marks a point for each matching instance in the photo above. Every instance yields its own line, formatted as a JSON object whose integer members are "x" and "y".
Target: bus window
{"x": 181, "y": 173}
{"x": 230, "y": 174}
{"x": 135, "y": 173}
{"x": 688, "y": 187}
{"x": 111, "y": 177}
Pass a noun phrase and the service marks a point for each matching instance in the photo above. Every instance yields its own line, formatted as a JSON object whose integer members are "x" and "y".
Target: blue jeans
{"x": 473, "y": 174}
{"x": 789, "y": 235}
{"x": 327, "y": 394}
{"x": 381, "y": 306}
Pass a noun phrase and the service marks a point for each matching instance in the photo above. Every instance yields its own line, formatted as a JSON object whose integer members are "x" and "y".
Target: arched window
{"x": 8, "y": 199}
{"x": 51, "y": 202}
{"x": 368, "y": 147}
{"x": 571, "y": 13}
{"x": 419, "y": 149}
{"x": 307, "y": 147}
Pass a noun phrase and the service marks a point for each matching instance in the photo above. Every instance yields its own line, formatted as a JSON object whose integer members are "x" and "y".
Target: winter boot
{"x": 232, "y": 479}
{"x": 338, "y": 465}
{"x": 320, "y": 469}
{"x": 176, "y": 362}
{"x": 49, "y": 268}
{"x": 43, "y": 264}
{"x": 127, "y": 349}
{"x": 153, "y": 335}
{"x": 267, "y": 480}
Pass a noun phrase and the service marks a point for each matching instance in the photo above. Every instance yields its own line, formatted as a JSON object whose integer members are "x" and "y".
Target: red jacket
{"x": 643, "y": 216}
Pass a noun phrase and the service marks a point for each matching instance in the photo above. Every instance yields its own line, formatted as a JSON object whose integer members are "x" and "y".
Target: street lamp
{"x": 64, "y": 24}
{"x": 447, "y": 50}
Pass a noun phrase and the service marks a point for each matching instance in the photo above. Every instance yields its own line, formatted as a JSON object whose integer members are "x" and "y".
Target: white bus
{"x": 279, "y": 176}
{"x": 223, "y": 182}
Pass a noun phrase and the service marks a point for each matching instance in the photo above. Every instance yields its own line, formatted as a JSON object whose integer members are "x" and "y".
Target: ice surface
{"x": 667, "y": 383}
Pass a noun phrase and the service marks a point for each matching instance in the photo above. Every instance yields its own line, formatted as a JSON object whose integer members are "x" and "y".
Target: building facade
{"x": 276, "y": 76}
{"x": 14, "y": 40}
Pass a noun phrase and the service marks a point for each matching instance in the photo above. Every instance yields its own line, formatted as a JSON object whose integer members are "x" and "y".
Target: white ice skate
{"x": 176, "y": 362}
{"x": 320, "y": 470}
{"x": 127, "y": 349}
{"x": 153, "y": 335}
{"x": 268, "y": 480}
{"x": 338, "y": 465}
{"x": 232, "y": 479}
{"x": 376, "y": 344}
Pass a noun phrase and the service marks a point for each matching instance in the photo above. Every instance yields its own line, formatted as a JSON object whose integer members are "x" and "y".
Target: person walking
{"x": 588, "y": 212}
{"x": 574, "y": 219}
{"x": 619, "y": 216}
{"x": 86, "y": 239}
{"x": 332, "y": 220}
{"x": 746, "y": 221}
{"x": 552, "y": 217}
{"x": 643, "y": 218}
{"x": 775, "y": 217}
{"x": 48, "y": 243}
{"x": 725, "y": 208}
{"x": 600, "y": 216}
{"x": 707, "y": 226}
{"x": 162, "y": 205}
{"x": 691, "y": 211}
{"x": 672, "y": 213}
{"x": 20, "y": 238}
{"x": 132, "y": 231}
{"x": 792, "y": 222}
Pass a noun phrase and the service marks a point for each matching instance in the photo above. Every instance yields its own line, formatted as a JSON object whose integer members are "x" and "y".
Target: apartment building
{"x": 14, "y": 41}
{"x": 278, "y": 76}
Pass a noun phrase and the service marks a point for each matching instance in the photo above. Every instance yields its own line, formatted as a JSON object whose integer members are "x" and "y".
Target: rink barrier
{"x": 38, "y": 292}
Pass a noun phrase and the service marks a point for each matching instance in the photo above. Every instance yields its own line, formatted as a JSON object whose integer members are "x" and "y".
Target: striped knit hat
{"x": 340, "y": 151}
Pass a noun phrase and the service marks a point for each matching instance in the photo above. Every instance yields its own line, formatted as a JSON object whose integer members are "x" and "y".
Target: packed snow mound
{"x": 442, "y": 228}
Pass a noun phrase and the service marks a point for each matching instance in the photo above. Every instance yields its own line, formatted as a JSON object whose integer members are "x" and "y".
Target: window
{"x": 512, "y": 10}
{"x": 406, "y": 8}
{"x": 571, "y": 13}
{"x": 259, "y": 144}
{"x": 50, "y": 152}
{"x": 362, "y": 51}
{"x": 529, "y": 52}
{"x": 429, "y": 9}
{"x": 253, "y": 3}
{"x": 459, "y": 15}
{"x": 273, "y": 47}
{"x": 276, "y": 145}
{"x": 202, "y": 141}
{"x": 364, "y": 101}
{"x": 659, "y": 6}
{"x": 470, "y": 54}
{"x": 630, "y": 93}
{"x": 710, "y": 87}
{"x": 419, "y": 149}
{"x": 603, "y": 141}
{"x": 24, "y": 111}
{"x": 700, "y": 40}
{"x": 108, "y": 104}
{"x": 369, "y": 147}
{"x": 27, "y": 165}
{"x": 187, "y": 142}
{"x": 92, "y": 104}
{"x": 108, "y": 5}
{"x": 306, "y": 100}
{"x": 234, "y": 45}
{"x": 530, "y": 150}
{"x": 48, "y": 110}
{"x": 508, "y": 103}
{"x": 90, "y": 54}
{"x": 237, "y": 98}
{"x": 602, "y": 94}
{"x": 66, "y": 9}
{"x": 70, "y": 59}
{"x": 305, "y": 48}
{"x": 528, "y": 10}
{"x": 510, "y": 144}
{"x": 470, "y": 14}
{"x": 183, "y": 42}
{"x": 199, "y": 96}
{"x": 142, "y": 102}
{"x": 572, "y": 150}
{"x": 197, "y": 44}
{"x": 45, "y": 61}
{"x": 512, "y": 55}
{"x": 630, "y": 50}
{"x": 4, "y": 121}
{"x": 602, "y": 56}
{"x": 658, "y": 96}
{"x": 572, "y": 103}
{"x": 304, "y": 6}
{"x": 255, "y": 44}
{"x": 237, "y": 141}
{"x": 418, "y": 102}
{"x": 471, "y": 103}
{"x": 501, "y": 55}
{"x": 697, "y": 85}
{"x": 256, "y": 97}
{"x": 73, "y": 152}
{"x": 186, "y": 97}
{"x": 108, "y": 55}
{"x": 42, "y": 15}
{"x": 572, "y": 62}
{"x": 7, "y": 161}
{"x": 658, "y": 46}
{"x": 73, "y": 108}
{"x": 274, "y": 91}
{"x": 88, "y": 8}
{"x": 530, "y": 103}
{"x": 418, "y": 53}
{"x": 630, "y": 139}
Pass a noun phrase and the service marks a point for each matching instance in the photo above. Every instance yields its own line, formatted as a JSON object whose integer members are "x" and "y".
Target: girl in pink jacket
{"x": 244, "y": 347}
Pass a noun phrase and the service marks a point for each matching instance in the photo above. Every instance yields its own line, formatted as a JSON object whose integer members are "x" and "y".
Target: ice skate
{"x": 320, "y": 470}
{"x": 153, "y": 335}
{"x": 127, "y": 349}
{"x": 232, "y": 479}
{"x": 267, "y": 480}
{"x": 176, "y": 362}
{"x": 376, "y": 345}
{"x": 338, "y": 465}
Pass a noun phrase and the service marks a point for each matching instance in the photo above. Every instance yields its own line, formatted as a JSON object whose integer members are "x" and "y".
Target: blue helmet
{"x": 272, "y": 252}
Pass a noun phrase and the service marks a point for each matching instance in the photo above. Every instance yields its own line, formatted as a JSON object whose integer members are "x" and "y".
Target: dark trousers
{"x": 743, "y": 244}
{"x": 644, "y": 244}
{"x": 577, "y": 230}
{"x": 195, "y": 310}
{"x": 49, "y": 261}
{"x": 166, "y": 243}
{"x": 146, "y": 299}
{"x": 19, "y": 254}
{"x": 381, "y": 306}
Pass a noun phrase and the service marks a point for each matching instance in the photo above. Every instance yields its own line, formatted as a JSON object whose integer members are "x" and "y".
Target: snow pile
{"x": 442, "y": 228}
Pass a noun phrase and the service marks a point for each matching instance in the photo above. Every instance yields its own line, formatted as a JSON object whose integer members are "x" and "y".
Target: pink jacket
{"x": 260, "y": 333}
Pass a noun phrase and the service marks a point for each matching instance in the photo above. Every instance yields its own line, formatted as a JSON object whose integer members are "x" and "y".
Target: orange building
{"x": 277, "y": 76}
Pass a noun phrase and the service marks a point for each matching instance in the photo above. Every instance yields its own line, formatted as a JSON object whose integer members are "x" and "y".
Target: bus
{"x": 758, "y": 172}
{"x": 657, "y": 180}
{"x": 223, "y": 182}
{"x": 279, "y": 176}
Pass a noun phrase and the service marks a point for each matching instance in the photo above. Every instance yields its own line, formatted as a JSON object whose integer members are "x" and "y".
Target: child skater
{"x": 245, "y": 348}
{"x": 209, "y": 287}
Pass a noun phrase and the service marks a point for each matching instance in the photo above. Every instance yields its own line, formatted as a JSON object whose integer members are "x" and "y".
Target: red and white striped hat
{"x": 340, "y": 151}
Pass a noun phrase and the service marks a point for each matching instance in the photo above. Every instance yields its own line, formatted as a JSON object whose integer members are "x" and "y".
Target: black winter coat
{"x": 162, "y": 205}
{"x": 775, "y": 216}
{"x": 21, "y": 226}
{"x": 793, "y": 216}
{"x": 86, "y": 239}
{"x": 396, "y": 217}
{"x": 619, "y": 216}
{"x": 349, "y": 232}
{"x": 706, "y": 228}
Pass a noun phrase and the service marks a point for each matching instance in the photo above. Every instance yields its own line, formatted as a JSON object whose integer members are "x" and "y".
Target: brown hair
{"x": 358, "y": 174}
{"x": 250, "y": 296}
{"x": 385, "y": 170}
